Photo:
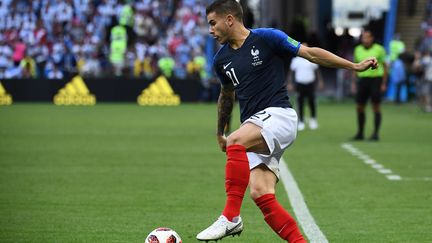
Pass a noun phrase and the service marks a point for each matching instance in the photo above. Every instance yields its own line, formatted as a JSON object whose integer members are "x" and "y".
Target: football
{"x": 163, "y": 235}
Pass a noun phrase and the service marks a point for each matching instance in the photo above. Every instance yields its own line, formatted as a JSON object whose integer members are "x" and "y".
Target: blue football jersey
{"x": 257, "y": 70}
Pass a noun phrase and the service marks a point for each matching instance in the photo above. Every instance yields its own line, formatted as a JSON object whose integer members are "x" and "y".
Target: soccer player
{"x": 251, "y": 64}
{"x": 305, "y": 75}
{"x": 370, "y": 84}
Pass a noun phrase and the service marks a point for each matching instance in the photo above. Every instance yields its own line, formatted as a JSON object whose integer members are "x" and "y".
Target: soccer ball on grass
{"x": 163, "y": 235}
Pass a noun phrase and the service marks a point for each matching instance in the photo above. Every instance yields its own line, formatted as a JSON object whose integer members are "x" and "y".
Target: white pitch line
{"x": 304, "y": 217}
{"x": 417, "y": 179}
{"x": 389, "y": 174}
{"x": 378, "y": 166}
{"x": 394, "y": 177}
{"x": 370, "y": 161}
{"x": 385, "y": 171}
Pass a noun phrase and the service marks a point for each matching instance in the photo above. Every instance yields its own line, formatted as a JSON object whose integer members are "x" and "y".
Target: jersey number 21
{"x": 231, "y": 74}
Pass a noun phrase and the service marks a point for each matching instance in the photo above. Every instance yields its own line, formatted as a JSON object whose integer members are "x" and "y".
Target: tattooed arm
{"x": 225, "y": 107}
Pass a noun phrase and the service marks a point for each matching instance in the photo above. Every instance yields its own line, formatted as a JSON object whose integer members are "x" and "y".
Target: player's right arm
{"x": 225, "y": 107}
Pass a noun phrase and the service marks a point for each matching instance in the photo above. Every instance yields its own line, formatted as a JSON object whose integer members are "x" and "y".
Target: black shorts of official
{"x": 305, "y": 90}
{"x": 369, "y": 88}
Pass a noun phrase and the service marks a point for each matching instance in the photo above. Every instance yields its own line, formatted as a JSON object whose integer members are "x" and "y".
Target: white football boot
{"x": 220, "y": 229}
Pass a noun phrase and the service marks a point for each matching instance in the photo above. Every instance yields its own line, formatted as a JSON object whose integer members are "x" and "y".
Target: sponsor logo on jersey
{"x": 5, "y": 98}
{"x": 159, "y": 92}
{"x": 75, "y": 93}
{"x": 255, "y": 57}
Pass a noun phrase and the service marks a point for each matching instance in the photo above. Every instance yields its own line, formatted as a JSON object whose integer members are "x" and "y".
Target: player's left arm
{"x": 282, "y": 43}
{"x": 327, "y": 59}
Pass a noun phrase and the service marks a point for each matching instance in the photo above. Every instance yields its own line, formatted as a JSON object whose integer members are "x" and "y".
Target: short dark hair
{"x": 226, "y": 7}
{"x": 367, "y": 29}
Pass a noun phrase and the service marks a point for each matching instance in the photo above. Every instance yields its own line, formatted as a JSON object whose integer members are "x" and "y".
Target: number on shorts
{"x": 258, "y": 115}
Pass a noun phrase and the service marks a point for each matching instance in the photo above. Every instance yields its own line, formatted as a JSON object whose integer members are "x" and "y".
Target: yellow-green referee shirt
{"x": 376, "y": 50}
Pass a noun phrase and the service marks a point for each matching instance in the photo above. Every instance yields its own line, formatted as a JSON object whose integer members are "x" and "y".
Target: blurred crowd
{"x": 55, "y": 39}
{"x": 138, "y": 38}
{"x": 421, "y": 68}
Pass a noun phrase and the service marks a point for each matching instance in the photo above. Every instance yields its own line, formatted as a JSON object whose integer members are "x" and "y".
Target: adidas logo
{"x": 75, "y": 93}
{"x": 5, "y": 98}
{"x": 159, "y": 93}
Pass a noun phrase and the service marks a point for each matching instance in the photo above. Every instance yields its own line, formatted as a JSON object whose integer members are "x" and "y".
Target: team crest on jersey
{"x": 255, "y": 57}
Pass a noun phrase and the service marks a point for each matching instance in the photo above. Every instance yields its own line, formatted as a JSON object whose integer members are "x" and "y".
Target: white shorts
{"x": 279, "y": 130}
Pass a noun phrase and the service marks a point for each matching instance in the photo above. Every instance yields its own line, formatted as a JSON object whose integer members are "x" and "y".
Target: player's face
{"x": 218, "y": 27}
{"x": 367, "y": 39}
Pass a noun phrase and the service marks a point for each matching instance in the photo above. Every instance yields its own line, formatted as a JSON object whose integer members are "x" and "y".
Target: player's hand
{"x": 370, "y": 62}
{"x": 222, "y": 142}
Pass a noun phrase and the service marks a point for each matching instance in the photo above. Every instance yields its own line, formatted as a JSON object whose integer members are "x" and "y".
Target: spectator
{"x": 426, "y": 83}
{"x": 28, "y": 67}
{"x": 126, "y": 18}
{"x": 397, "y": 47}
{"x": 398, "y": 77}
{"x": 118, "y": 48}
{"x": 91, "y": 66}
{"x": 5, "y": 57}
{"x": 166, "y": 65}
{"x": 197, "y": 67}
{"x": 12, "y": 70}
{"x": 55, "y": 73}
{"x": 40, "y": 33}
{"x": 19, "y": 51}
{"x": 50, "y": 28}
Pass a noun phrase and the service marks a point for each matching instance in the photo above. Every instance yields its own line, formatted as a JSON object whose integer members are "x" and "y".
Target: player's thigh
{"x": 279, "y": 128}
{"x": 249, "y": 135}
{"x": 261, "y": 148}
{"x": 262, "y": 181}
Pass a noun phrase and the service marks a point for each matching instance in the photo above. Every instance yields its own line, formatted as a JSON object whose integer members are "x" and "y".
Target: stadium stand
{"x": 56, "y": 38}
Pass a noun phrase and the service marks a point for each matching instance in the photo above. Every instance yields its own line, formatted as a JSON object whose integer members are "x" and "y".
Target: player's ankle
{"x": 236, "y": 219}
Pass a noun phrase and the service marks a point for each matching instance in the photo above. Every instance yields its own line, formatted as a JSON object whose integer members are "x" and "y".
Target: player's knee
{"x": 234, "y": 139}
{"x": 256, "y": 191}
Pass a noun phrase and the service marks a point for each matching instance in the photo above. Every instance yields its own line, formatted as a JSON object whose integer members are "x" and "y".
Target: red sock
{"x": 279, "y": 219}
{"x": 236, "y": 179}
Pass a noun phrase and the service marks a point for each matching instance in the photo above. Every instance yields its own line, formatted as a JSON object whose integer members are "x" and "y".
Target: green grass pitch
{"x": 114, "y": 172}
